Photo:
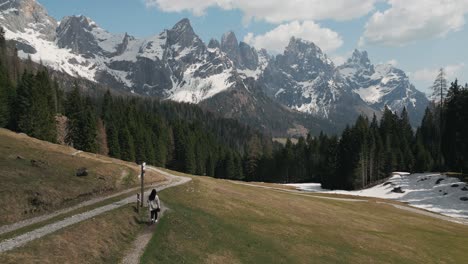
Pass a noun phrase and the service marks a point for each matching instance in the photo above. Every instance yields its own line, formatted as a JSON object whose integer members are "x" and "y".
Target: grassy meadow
{"x": 215, "y": 221}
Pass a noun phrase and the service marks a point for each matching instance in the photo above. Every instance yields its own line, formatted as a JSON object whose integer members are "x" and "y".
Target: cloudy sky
{"x": 419, "y": 36}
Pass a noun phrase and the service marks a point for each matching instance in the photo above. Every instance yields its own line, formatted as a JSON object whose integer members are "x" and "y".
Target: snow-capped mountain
{"x": 383, "y": 85}
{"x": 177, "y": 65}
{"x": 305, "y": 79}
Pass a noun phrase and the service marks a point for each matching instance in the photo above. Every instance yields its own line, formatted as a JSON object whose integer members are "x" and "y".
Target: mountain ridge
{"x": 177, "y": 65}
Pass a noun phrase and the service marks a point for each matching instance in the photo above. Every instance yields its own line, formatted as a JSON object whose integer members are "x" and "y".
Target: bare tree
{"x": 439, "y": 87}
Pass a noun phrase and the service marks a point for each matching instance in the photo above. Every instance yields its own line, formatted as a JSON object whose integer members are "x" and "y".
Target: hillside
{"x": 39, "y": 177}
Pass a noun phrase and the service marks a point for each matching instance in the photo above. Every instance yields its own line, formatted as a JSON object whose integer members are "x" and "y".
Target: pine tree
{"x": 113, "y": 142}
{"x": 82, "y": 121}
{"x": 23, "y": 104}
{"x": 4, "y": 95}
{"x": 127, "y": 146}
{"x": 253, "y": 155}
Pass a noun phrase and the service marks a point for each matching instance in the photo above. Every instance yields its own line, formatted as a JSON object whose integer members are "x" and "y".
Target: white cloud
{"x": 338, "y": 60}
{"x": 274, "y": 11}
{"x": 407, "y": 21}
{"x": 393, "y": 62}
{"x": 424, "y": 78}
{"x": 278, "y": 38}
{"x": 429, "y": 74}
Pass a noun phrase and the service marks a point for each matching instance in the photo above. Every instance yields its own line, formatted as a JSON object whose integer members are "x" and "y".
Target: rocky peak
{"x": 248, "y": 55}
{"x": 229, "y": 40}
{"x": 183, "y": 36}
{"x": 304, "y": 60}
{"x": 183, "y": 26}
{"x": 214, "y": 44}
{"x": 360, "y": 59}
{"x": 81, "y": 21}
{"x": 230, "y": 46}
{"x": 300, "y": 46}
{"x": 120, "y": 49}
{"x": 74, "y": 32}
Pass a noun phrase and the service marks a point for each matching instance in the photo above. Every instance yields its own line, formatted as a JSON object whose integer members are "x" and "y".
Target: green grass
{"x": 214, "y": 221}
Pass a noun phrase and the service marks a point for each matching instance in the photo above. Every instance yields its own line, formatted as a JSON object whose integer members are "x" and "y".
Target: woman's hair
{"x": 152, "y": 195}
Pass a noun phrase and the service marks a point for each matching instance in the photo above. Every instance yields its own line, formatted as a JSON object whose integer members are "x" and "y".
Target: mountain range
{"x": 298, "y": 91}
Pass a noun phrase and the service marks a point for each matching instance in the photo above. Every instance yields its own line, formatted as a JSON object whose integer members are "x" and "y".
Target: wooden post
{"x": 142, "y": 177}
{"x": 138, "y": 203}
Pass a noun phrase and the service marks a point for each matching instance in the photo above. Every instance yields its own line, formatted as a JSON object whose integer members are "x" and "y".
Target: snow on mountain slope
{"x": 383, "y": 85}
{"x": 195, "y": 89}
{"x": 174, "y": 64}
{"x": 430, "y": 191}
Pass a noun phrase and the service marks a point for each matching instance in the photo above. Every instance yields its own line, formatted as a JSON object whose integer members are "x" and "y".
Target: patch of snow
{"x": 371, "y": 95}
{"x": 107, "y": 41}
{"x": 9, "y": 10}
{"x": 433, "y": 192}
{"x": 154, "y": 47}
{"x": 279, "y": 92}
{"x": 50, "y": 55}
{"x": 195, "y": 89}
{"x": 121, "y": 76}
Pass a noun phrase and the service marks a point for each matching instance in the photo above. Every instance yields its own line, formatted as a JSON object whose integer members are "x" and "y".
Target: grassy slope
{"x": 38, "y": 177}
{"x": 214, "y": 221}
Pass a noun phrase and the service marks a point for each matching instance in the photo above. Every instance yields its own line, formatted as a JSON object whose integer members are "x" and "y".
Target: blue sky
{"x": 416, "y": 36}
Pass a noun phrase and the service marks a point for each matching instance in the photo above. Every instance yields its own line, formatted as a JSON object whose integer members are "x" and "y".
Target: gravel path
{"x": 15, "y": 226}
{"x": 21, "y": 240}
{"x": 138, "y": 247}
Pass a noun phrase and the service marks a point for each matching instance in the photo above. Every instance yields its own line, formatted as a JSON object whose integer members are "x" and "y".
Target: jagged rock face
{"x": 214, "y": 44}
{"x": 248, "y": 56}
{"x": 23, "y": 15}
{"x": 241, "y": 54}
{"x": 230, "y": 46}
{"x": 383, "y": 85}
{"x": 75, "y": 33}
{"x": 303, "y": 78}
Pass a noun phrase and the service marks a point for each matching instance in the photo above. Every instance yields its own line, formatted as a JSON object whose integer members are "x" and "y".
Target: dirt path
{"x": 21, "y": 240}
{"x": 139, "y": 244}
{"x": 138, "y": 247}
{"x": 27, "y": 222}
{"x": 401, "y": 207}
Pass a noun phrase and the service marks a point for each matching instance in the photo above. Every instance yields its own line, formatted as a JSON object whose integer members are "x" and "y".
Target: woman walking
{"x": 154, "y": 206}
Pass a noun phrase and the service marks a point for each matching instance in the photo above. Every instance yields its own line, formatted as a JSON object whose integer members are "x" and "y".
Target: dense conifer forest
{"x": 185, "y": 138}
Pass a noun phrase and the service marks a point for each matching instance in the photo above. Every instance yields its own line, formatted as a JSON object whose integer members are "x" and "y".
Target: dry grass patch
{"x": 103, "y": 239}
{"x": 39, "y": 177}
